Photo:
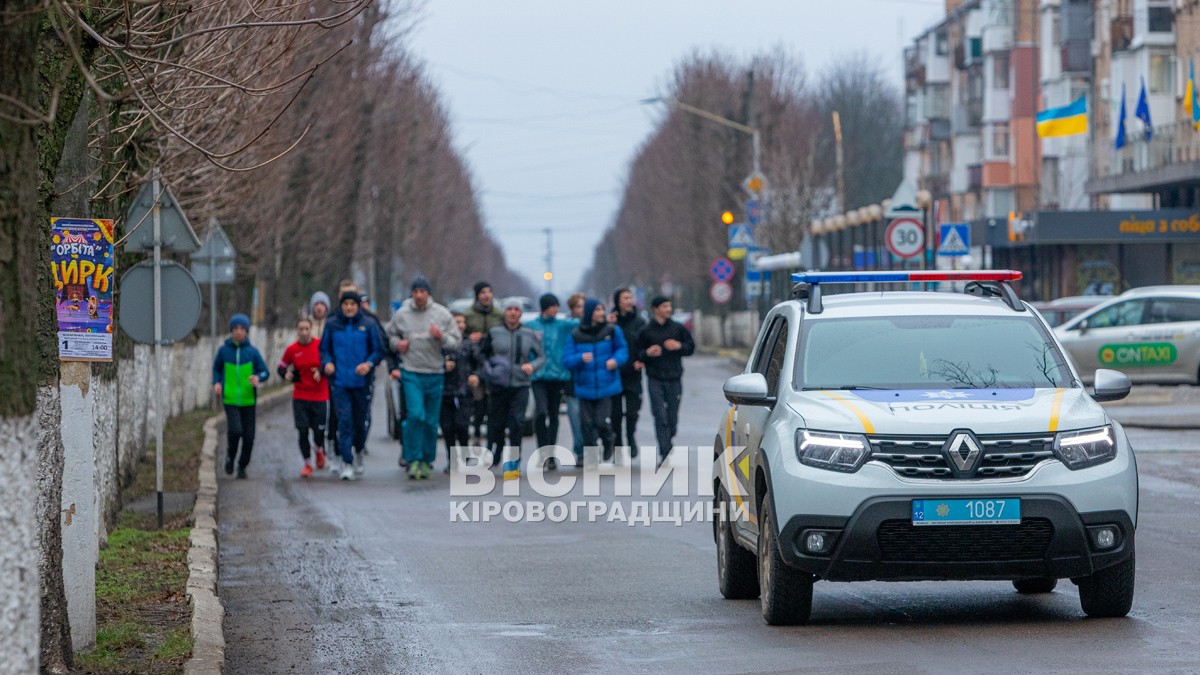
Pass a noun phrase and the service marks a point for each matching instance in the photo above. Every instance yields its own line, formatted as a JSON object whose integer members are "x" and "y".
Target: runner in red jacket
{"x": 301, "y": 365}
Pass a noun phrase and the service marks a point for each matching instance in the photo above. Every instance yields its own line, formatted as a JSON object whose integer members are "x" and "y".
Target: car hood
{"x": 940, "y": 411}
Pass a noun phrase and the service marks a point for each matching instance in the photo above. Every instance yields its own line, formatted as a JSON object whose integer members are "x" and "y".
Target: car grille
{"x": 921, "y": 456}
{"x": 901, "y": 541}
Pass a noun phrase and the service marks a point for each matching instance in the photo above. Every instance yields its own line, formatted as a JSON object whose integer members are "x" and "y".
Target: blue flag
{"x": 1121, "y": 121}
{"x": 1142, "y": 112}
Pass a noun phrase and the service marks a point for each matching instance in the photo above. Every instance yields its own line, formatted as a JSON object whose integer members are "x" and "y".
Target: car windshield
{"x": 923, "y": 352}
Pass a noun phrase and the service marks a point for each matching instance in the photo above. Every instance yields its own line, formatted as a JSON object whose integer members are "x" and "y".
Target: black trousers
{"x": 310, "y": 416}
{"x": 547, "y": 396}
{"x": 456, "y": 421}
{"x": 506, "y": 412}
{"x": 664, "y": 403}
{"x": 593, "y": 417}
{"x": 625, "y": 406}
{"x": 239, "y": 427}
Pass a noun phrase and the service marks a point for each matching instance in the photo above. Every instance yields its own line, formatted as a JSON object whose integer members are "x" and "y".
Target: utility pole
{"x": 841, "y": 174}
{"x": 549, "y": 275}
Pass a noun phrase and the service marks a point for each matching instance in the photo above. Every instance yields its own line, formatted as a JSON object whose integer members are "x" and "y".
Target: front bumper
{"x": 879, "y": 542}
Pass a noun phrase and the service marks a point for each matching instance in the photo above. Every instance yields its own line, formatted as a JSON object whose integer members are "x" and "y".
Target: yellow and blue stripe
{"x": 1065, "y": 121}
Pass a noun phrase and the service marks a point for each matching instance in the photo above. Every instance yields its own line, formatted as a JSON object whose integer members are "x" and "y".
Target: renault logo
{"x": 963, "y": 452}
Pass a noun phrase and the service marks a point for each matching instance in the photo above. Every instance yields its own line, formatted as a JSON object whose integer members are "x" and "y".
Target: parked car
{"x": 1061, "y": 310}
{"x": 1152, "y": 334}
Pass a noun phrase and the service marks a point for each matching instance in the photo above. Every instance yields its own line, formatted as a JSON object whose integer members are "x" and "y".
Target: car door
{"x": 1102, "y": 338}
{"x": 752, "y": 420}
{"x": 1169, "y": 340}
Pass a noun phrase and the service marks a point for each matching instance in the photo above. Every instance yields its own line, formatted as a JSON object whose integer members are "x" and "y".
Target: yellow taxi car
{"x": 1152, "y": 334}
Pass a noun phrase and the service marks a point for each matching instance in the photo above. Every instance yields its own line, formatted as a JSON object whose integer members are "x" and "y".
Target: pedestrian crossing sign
{"x": 741, "y": 236}
{"x": 954, "y": 239}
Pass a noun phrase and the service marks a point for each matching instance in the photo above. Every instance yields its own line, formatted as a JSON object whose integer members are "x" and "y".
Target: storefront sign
{"x": 1104, "y": 227}
{"x": 1138, "y": 354}
{"x": 81, "y": 260}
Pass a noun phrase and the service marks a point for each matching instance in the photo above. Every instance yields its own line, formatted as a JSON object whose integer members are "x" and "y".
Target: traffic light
{"x": 727, "y": 217}
{"x": 548, "y": 276}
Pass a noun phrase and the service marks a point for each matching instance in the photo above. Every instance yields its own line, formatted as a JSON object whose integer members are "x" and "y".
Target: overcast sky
{"x": 544, "y": 94}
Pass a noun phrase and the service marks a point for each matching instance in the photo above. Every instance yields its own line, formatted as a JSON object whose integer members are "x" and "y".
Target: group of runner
{"x": 460, "y": 371}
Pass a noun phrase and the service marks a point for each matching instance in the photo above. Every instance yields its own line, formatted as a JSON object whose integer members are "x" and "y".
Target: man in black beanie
{"x": 627, "y": 404}
{"x": 480, "y": 318}
{"x": 661, "y": 346}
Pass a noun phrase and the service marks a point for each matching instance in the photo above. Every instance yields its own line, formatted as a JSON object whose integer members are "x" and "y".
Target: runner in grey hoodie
{"x": 511, "y": 354}
{"x": 419, "y": 331}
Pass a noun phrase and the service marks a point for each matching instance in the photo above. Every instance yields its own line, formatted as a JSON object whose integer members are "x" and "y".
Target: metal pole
{"x": 212, "y": 305}
{"x": 841, "y": 181}
{"x": 757, "y": 151}
{"x": 159, "y": 405}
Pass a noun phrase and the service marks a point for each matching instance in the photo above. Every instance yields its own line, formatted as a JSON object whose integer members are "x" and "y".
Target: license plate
{"x": 966, "y": 512}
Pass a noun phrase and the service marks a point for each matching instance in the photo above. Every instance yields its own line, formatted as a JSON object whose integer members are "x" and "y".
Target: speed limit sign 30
{"x": 905, "y": 237}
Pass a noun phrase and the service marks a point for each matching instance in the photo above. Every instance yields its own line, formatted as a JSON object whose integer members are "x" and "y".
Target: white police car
{"x": 920, "y": 436}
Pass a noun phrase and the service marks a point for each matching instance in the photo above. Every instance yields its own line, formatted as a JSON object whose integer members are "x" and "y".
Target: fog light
{"x": 1105, "y": 537}
{"x": 818, "y": 542}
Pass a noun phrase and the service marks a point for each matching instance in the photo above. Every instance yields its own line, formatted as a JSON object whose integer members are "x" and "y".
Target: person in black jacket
{"x": 661, "y": 346}
{"x": 628, "y": 403}
{"x": 457, "y": 400}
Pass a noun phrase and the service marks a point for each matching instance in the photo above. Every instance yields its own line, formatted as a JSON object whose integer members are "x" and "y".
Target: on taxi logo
{"x": 1138, "y": 354}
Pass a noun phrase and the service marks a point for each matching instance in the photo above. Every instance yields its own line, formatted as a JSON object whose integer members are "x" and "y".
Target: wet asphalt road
{"x": 322, "y": 576}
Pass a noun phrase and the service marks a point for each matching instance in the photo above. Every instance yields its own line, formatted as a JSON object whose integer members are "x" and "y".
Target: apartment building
{"x": 1069, "y": 211}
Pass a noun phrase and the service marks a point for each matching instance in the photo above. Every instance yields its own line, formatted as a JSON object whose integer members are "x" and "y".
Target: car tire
{"x": 1026, "y": 586}
{"x": 785, "y": 592}
{"x": 737, "y": 569}
{"x": 1108, "y": 592}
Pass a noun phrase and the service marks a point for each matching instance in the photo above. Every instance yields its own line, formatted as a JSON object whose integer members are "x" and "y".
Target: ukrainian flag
{"x": 1065, "y": 121}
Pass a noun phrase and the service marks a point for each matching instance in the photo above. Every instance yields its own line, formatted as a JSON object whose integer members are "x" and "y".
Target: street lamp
{"x": 713, "y": 117}
{"x": 923, "y": 201}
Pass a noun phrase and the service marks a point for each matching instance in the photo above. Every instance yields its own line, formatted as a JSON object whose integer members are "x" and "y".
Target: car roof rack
{"x": 982, "y": 283}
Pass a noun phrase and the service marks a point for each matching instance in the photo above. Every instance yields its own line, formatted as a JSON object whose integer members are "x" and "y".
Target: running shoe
{"x": 306, "y": 472}
{"x": 348, "y": 472}
{"x": 358, "y": 464}
{"x": 335, "y": 466}
{"x": 414, "y": 470}
{"x": 320, "y": 458}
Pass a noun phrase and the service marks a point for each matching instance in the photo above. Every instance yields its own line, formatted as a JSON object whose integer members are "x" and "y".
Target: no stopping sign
{"x": 905, "y": 237}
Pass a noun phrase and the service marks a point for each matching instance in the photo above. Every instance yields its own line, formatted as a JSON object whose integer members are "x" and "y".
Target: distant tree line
{"x": 690, "y": 169}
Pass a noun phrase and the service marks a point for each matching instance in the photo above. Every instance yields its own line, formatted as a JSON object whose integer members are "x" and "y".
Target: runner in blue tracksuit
{"x": 594, "y": 353}
{"x": 350, "y": 351}
{"x": 549, "y": 384}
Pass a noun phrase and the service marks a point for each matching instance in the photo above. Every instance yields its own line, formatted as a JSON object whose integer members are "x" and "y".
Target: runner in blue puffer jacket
{"x": 594, "y": 354}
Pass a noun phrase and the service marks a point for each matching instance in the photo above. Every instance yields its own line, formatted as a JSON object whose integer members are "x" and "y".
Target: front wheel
{"x": 786, "y": 592}
{"x": 737, "y": 572}
{"x": 1108, "y": 592}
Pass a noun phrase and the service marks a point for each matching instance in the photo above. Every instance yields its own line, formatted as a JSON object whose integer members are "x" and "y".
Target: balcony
{"x": 1171, "y": 157}
{"x": 1121, "y": 33}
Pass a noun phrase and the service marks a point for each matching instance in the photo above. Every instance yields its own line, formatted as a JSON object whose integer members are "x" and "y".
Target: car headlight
{"x": 835, "y": 452}
{"x": 1089, "y": 447}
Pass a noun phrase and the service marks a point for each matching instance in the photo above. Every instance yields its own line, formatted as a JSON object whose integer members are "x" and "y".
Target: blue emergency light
{"x": 985, "y": 283}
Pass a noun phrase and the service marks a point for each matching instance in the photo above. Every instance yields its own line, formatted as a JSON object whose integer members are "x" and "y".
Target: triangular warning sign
{"x": 953, "y": 243}
{"x": 741, "y": 237}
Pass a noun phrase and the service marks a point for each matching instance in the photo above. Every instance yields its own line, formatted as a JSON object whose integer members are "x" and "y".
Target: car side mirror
{"x": 1082, "y": 326}
{"x": 1110, "y": 385}
{"x": 748, "y": 389}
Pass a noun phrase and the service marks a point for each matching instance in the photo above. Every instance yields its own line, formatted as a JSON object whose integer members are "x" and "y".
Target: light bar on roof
{"x": 915, "y": 276}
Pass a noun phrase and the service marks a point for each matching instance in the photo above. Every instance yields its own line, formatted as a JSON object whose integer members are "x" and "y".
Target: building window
{"x": 1161, "y": 18}
{"x": 1050, "y": 181}
{"x": 937, "y": 102}
{"x": 1000, "y": 70}
{"x": 1000, "y": 139}
{"x": 1000, "y": 203}
{"x": 1160, "y": 74}
{"x": 941, "y": 44}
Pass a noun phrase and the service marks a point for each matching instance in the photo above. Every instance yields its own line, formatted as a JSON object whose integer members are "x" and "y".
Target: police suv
{"x": 907, "y": 435}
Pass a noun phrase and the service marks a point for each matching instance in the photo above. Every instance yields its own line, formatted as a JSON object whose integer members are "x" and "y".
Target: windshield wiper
{"x": 845, "y": 387}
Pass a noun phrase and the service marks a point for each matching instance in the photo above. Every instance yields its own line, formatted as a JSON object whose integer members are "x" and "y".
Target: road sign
{"x": 954, "y": 239}
{"x": 755, "y": 183}
{"x": 222, "y": 272}
{"x": 216, "y": 244}
{"x": 753, "y": 253}
{"x": 720, "y": 292}
{"x": 756, "y": 211}
{"x": 176, "y": 232}
{"x": 905, "y": 237}
{"x": 721, "y": 269}
{"x": 741, "y": 235}
{"x": 179, "y": 292}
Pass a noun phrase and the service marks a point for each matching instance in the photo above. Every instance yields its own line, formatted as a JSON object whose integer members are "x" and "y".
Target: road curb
{"x": 208, "y": 614}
